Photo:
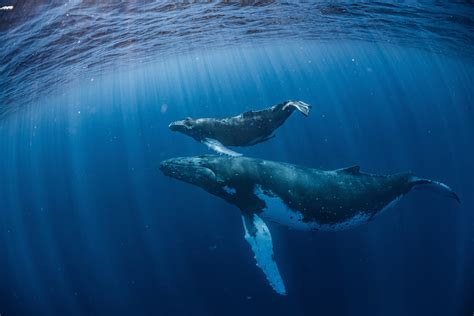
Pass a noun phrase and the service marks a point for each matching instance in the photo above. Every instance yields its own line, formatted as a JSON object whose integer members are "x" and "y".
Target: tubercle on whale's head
{"x": 193, "y": 170}
{"x": 183, "y": 126}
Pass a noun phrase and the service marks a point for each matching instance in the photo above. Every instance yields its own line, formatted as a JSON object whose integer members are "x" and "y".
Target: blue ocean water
{"x": 90, "y": 226}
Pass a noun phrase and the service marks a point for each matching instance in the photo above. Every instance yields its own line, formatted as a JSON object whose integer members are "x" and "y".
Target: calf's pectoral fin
{"x": 300, "y": 106}
{"x": 258, "y": 236}
{"x": 217, "y": 146}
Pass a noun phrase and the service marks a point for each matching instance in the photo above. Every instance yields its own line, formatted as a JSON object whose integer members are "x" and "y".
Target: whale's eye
{"x": 188, "y": 121}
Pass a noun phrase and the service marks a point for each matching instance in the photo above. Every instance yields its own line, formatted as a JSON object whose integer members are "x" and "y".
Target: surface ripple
{"x": 45, "y": 45}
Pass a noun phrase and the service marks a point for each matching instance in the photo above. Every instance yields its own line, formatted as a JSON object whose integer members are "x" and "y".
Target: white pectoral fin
{"x": 258, "y": 236}
{"x": 219, "y": 148}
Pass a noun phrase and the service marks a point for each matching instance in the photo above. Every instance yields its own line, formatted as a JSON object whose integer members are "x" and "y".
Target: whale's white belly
{"x": 278, "y": 212}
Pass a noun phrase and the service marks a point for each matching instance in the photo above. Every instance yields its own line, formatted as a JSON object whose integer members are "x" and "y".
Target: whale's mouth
{"x": 173, "y": 167}
{"x": 188, "y": 169}
{"x": 181, "y": 126}
{"x": 176, "y": 126}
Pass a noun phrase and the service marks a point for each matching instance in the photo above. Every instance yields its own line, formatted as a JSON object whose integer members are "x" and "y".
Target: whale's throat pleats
{"x": 258, "y": 236}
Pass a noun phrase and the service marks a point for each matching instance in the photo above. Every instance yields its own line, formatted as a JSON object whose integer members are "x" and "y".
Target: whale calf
{"x": 298, "y": 197}
{"x": 246, "y": 129}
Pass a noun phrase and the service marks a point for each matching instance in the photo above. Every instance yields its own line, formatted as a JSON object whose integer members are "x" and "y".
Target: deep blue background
{"x": 89, "y": 225}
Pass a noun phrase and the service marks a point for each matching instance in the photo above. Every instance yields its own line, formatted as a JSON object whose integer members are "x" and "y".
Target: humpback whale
{"x": 246, "y": 129}
{"x": 298, "y": 197}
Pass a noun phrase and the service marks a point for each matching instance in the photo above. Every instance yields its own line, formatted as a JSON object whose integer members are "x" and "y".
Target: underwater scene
{"x": 236, "y": 158}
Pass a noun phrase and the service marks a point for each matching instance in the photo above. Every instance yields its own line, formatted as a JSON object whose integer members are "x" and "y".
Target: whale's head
{"x": 220, "y": 176}
{"x": 186, "y": 126}
{"x": 193, "y": 170}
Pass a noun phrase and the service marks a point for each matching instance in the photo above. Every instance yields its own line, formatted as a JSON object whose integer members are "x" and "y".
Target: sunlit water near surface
{"x": 45, "y": 45}
{"x": 89, "y": 225}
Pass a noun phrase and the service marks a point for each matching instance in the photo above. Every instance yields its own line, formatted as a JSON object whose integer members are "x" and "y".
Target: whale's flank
{"x": 294, "y": 196}
{"x": 246, "y": 129}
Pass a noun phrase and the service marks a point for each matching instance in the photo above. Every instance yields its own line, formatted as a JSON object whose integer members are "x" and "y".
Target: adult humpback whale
{"x": 246, "y": 129}
{"x": 299, "y": 197}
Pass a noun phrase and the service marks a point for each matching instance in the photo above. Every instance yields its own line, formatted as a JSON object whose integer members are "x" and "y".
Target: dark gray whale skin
{"x": 246, "y": 129}
{"x": 324, "y": 197}
{"x": 298, "y": 197}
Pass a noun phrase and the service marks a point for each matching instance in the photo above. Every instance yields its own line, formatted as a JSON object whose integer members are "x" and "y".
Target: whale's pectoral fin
{"x": 300, "y": 106}
{"x": 258, "y": 236}
{"x": 219, "y": 148}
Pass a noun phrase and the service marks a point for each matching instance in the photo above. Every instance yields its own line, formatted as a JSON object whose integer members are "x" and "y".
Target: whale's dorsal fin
{"x": 351, "y": 170}
{"x": 258, "y": 236}
{"x": 219, "y": 148}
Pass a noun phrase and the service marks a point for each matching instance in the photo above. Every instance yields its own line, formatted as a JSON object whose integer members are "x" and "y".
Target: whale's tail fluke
{"x": 434, "y": 186}
{"x": 299, "y": 105}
